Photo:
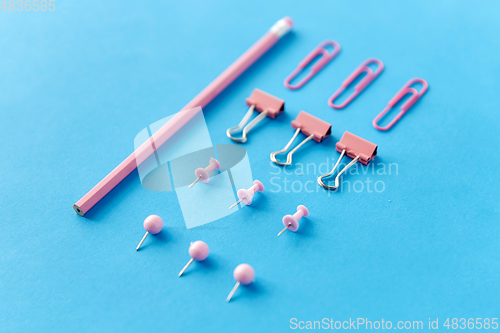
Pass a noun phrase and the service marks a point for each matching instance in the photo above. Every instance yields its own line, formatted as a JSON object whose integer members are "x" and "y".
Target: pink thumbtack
{"x": 246, "y": 196}
{"x": 153, "y": 224}
{"x": 243, "y": 274}
{"x": 203, "y": 174}
{"x": 198, "y": 251}
{"x": 292, "y": 222}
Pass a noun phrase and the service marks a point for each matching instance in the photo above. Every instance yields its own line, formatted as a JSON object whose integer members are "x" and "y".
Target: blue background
{"x": 77, "y": 84}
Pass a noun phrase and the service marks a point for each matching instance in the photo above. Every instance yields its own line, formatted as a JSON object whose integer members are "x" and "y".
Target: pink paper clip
{"x": 406, "y": 106}
{"x": 311, "y": 126}
{"x": 325, "y": 58}
{"x": 369, "y": 77}
{"x": 359, "y": 149}
{"x": 266, "y": 104}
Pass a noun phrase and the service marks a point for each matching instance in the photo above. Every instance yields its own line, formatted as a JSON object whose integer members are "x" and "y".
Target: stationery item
{"x": 243, "y": 274}
{"x": 246, "y": 196}
{"x": 278, "y": 30}
{"x": 311, "y": 126}
{"x": 203, "y": 174}
{"x": 415, "y": 95}
{"x": 359, "y": 149}
{"x": 291, "y": 222}
{"x": 153, "y": 225}
{"x": 325, "y": 57}
{"x": 198, "y": 251}
{"x": 361, "y": 85}
{"x": 266, "y": 104}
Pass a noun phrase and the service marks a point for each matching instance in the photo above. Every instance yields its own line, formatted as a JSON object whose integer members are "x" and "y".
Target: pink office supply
{"x": 243, "y": 274}
{"x": 311, "y": 126}
{"x": 291, "y": 222}
{"x": 365, "y": 81}
{"x": 356, "y": 147}
{"x": 359, "y": 149}
{"x": 246, "y": 196}
{"x": 153, "y": 225}
{"x": 278, "y": 30}
{"x": 203, "y": 174}
{"x": 266, "y": 104}
{"x": 415, "y": 95}
{"x": 198, "y": 251}
{"x": 324, "y": 58}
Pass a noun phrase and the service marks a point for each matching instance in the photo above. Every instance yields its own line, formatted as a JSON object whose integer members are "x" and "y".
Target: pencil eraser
{"x": 288, "y": 20}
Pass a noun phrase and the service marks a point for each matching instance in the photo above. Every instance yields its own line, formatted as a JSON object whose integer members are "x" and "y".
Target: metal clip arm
{"x": 328, "y": 187}
{"x": 246, "y": 128}
{"x": 289, "y": 156}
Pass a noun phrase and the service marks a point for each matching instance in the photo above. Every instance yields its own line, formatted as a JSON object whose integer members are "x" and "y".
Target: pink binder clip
{"x": 406, "y": 106}
{"x": 325, "y": 58}
{"x": 356, "y": 148}
{"x": 266, "y": 104}
{"x": 311, "y": 126}
{"x": 369, "y": 77}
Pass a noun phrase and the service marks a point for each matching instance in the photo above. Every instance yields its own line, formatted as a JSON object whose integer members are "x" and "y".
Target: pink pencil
{"x": 278, "y": 30}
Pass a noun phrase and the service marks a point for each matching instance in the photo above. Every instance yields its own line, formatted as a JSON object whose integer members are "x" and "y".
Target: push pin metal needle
{"x": 246, "y": 196}
{"x": 292, "y": 222}
{"x": 198, "y": 251}
{"x": 153, "y": 224}
{"x": 203, "y": 174}
{"x": 243, "y": 274}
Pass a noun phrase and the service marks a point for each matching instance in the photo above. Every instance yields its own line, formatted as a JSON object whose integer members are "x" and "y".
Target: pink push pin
{"x": 243, "y": 274}
{"x": 246, "y": 196}
{"x": 292, "y": 222}
{"x": 198, "y": 251}
{"x": 153, "y": 224}
{"x": 203, "y": 174}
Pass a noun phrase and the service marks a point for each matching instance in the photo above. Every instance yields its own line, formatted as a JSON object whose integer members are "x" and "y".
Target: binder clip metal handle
{"x": 247, "y": 128}
{"x": 289, "y": 155}
{"x": 329, "y": 187}
{"x": 355, "y": 147}
{"x": 325, "y": 58}
{"x": 311, "y": 126}
{"x": 266, "y": 104}
{"x": 415, "y": 95}
{"x": 362, "y": 84}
